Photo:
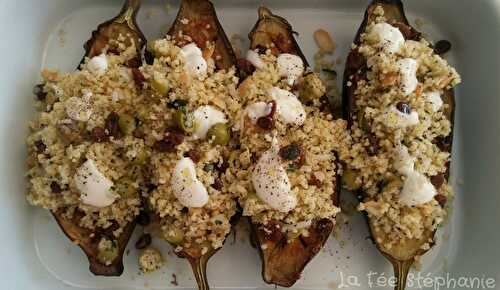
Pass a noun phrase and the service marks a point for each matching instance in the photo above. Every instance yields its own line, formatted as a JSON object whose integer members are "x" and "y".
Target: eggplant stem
{"x": 128, "y": 12}
{"x": 199, "y": 266}
{"x": 401, "y": 270}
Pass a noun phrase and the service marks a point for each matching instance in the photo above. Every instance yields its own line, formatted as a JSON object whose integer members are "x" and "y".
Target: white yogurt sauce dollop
{"x": 94, "y": 187}
{"x": 204, "y": 118}
{"x": 288, "y": 106}
{"x": 434, "y": 98}
{"x": 185, "y": 184}
{"x": 271, "y": 182}
{"x": 257, "y": 110}
{"x": 417, "y": 189}
{"x": 98, "y": 64}
{"x": 389, "y": 37}
{"x": 408, "y": 71}
{"x": 254, "y": 58}
{"x": 290, "y": 66}
{"x": 195, "y": 64}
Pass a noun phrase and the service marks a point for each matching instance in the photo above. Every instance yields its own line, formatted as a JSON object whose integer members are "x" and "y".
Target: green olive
{"x": 363, "y": 122}
{"x": 312, "y": 88}
{"x": 160, "y": 84}
{"x": 125, "y": 188}
{"x": 184, "y": 121}
{"x": 219, "y": 134}
{"x": 108, "y": 254}
{"x": 141, "y": 157}
{"x": 126, "y": 123}
{"x": 143, "y": 113}
{"x": 174, "y": 236}
{"x": 349, "y": 179}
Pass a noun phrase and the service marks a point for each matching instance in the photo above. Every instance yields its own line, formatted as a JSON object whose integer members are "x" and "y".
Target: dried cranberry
{"x": 441, "y": 199}
{"x": 245, "y": 67}
{"x": 315, "y": 181}
{"x": 40, "y": 146}
{"x": 373, "y": 147}
{"x": 55, "y": 187}
{"x": 39, "y": 93}
{"x": 222, "y": 167}
{"x": 265, "y": 123}
{"x": 98, "y": 134}
{"x": 170, "y": 142}
{"x": 442, "y": 47}
{"x": 112, "y": 126}
{"x": 290, "y": 152}
{"x": 403, "y": 107}
{"x": 138, "y": 76}
{"x": 194, "y": 155}
{"x": 143, "y": 242}
{"x": 437, "y": 180}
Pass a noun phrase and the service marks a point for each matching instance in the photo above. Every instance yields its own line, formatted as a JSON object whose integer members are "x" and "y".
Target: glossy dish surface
{"x": 45, "y": 259}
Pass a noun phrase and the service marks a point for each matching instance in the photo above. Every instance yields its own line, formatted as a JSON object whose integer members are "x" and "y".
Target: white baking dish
{"x": 36, "y": 255}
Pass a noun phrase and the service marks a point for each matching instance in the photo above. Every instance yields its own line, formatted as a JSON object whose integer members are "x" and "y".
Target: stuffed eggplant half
{"x": 399, "y": 103}
{"x": 284, "y": 171}
{"x": 188, "y": 121}
{"x": 84, "y": 162}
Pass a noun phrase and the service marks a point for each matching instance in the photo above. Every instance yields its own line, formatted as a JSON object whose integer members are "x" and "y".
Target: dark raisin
{"x": 39, "y": 93}
{"x": 134, "y": 62}
{"x": 163, "y": 146}
{"x": 217, "y": 184}
{"x": 437, "y": 180}
{"x": 185, "y": 210}
{"x": 143, "y": 242}
{"x": 222, "y": 167}
{"x": 441, "y": 199}
{"x": 373, "y": 146}
{"x": 177, "y": 104}
{"x": 138, "y": 77}
{"x": 403, "y": 108}
{"x": 442, "y": 47}
{"x": 138, "y": 133}
{"x": 194, "y": 155}
{"x": 55, "y": 187}
{"x": 325, "y": 105}
{"x": 112, "y": 126}
{"x": 143, "y": 219}
{"x": 40, "y": 146}
{"x": 98, "y": 134}
{"x": 261, "y": 49}
{"x": 290, "y": 152}
{"x": 265, "y": 123}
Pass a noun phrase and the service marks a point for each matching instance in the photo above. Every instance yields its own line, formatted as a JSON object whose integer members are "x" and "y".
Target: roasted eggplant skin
{"x": 402, "y": 257}
{"x": 203, "y": 27}
{"x": 283, "y": 260}
{"x": 125, "y": 23}
{"x": 86, "y": 239}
